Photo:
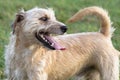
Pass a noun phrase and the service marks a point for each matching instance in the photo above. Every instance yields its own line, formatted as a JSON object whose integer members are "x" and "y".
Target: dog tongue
{"x": 56, "y": 45}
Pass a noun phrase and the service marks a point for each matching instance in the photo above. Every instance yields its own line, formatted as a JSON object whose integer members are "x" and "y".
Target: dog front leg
{"x": 37, "y": 75}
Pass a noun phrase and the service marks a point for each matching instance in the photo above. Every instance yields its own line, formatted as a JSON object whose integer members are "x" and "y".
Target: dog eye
{"x": 43, "y": 18}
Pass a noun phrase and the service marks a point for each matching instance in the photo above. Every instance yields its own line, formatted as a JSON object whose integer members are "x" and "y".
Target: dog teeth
{"x": 52, "y": 44}
{"x": 42, "y": 36}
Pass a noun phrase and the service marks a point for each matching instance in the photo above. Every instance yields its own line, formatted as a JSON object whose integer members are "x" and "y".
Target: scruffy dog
{"x": 33, "y": 54}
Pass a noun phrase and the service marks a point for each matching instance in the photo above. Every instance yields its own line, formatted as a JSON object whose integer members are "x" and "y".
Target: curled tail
{"x": 101, "y": 13}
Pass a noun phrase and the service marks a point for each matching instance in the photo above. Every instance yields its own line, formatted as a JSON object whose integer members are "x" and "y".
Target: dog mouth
{"x": 48, "y": 41}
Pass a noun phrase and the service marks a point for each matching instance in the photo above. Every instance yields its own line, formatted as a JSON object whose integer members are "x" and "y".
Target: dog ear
{"x": 19, "y": 17}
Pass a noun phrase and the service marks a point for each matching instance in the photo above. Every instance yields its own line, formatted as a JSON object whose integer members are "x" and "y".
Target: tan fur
{"x": 91, "y": 55}
{"x": 102, "y": 14}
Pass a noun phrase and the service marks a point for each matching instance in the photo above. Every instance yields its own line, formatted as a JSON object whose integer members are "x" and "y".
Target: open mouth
{"x": 48, "y": 41}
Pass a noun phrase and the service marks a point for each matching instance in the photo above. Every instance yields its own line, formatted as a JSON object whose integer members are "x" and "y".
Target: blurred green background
{"x": 63, "y": 9}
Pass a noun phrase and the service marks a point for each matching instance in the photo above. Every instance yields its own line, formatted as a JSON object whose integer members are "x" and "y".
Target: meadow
{"x": 63, "y": 9}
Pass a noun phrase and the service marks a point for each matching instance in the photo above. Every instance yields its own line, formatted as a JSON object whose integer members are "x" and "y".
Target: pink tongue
{"x": 56, "y": 45}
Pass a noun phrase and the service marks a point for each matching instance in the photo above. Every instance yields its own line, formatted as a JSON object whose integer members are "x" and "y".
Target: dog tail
{"x": 101, "y": 13}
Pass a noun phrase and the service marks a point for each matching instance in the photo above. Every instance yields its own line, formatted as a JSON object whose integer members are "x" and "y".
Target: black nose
{"x": 63, "y": 28}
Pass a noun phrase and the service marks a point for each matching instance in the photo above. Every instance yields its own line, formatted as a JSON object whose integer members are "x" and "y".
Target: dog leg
{"x": 92, "y": 75}
{"x": 109, "y": 68}
{"x": 37, "y": 76}
{"x": 106, "y": 68}
{"x": 89, "y": 75}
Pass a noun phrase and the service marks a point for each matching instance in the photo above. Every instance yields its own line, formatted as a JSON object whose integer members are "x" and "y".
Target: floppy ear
{"x": 19, "y": 17}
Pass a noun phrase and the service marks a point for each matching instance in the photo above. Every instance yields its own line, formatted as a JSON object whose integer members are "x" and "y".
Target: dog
{"x": 34, "y": 54}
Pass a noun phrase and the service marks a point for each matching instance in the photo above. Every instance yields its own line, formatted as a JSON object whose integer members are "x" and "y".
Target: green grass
{"x": 63, "y": 9}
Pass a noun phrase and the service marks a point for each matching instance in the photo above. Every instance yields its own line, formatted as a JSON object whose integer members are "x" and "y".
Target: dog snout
{"x": 63, "y": 28}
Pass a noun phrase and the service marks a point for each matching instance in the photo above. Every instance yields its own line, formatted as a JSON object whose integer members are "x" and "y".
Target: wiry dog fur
{"x": 88, "y": 54}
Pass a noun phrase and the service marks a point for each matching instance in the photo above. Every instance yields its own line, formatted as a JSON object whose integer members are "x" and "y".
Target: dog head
{"x": 38, "y": 24}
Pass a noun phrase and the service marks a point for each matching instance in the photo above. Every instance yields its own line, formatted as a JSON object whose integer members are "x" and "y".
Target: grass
{"x": 63, "y": 9}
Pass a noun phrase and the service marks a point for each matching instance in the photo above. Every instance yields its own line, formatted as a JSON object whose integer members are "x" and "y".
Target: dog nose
{"x": 63, "y": 28}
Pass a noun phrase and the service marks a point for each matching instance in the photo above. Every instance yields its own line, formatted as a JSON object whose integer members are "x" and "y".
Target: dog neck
{"x": 20, "y": 42}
